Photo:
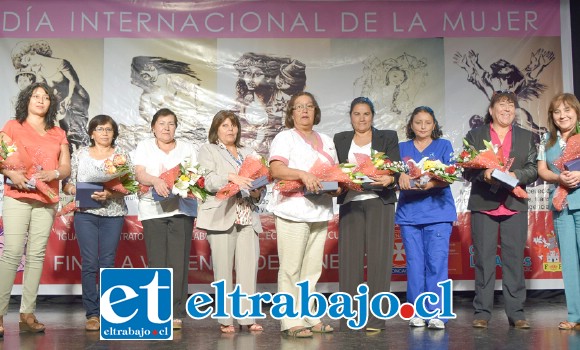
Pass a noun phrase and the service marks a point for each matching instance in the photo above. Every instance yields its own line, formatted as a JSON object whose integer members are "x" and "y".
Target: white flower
{"x": 180, "y": 188}
{"x": 193, "y": 177}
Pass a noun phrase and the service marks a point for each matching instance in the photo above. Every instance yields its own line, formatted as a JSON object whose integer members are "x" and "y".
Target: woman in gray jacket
{"x": 232, "y": 224}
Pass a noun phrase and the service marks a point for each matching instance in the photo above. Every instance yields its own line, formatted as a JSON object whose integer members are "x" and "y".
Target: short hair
{"x": 435, "y": 134}
{"x": 162, "y": 113}
{"x": 362, "y": 100}
{"x": 218, "y": 120}
{"x": 498, "y": 96}
{"x": 24, "y": 100}
{"x": 103, "y": 119}
{"x": 559, "y": 99}
{"x": 288, "y": 121}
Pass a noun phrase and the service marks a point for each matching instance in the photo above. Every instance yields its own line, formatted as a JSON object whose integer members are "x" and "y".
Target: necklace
{"x": 239, "y": 160}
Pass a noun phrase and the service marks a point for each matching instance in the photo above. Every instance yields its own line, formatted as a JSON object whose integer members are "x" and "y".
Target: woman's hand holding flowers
{"x": 243, "y": 182}
{"x": 311, "y": 182}
{"x": 18, "y": 178}
{"x": 161, "y": 187}
{"x": 383, "y": 180}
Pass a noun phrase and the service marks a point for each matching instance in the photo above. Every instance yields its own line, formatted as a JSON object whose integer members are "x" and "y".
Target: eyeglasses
{"x": 302, "y": 107}
{"x": 101, "y": 130}
{"x": 44, "y": 98}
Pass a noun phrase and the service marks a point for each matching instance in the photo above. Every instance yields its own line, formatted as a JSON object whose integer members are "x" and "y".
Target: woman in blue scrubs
{"x": 425, "y": 213}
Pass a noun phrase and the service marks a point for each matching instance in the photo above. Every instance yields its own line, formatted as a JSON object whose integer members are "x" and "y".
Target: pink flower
{"x": 119, "y": 159}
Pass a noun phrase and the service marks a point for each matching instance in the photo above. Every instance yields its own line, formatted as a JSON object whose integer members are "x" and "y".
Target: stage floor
{"x": 64, "y": 318}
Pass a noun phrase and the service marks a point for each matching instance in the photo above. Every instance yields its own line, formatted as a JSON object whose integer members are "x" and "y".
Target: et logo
{"x": 136, "y": 304}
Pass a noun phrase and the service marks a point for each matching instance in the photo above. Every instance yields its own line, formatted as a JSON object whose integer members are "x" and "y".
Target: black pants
{"x": 513, "y": 232}
{"x": 366, "y": 226}
{"x": 168, "y": 242}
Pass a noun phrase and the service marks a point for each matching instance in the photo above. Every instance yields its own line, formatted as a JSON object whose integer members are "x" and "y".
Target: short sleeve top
{"x": 85, "y": 168}
{"x": 292, "y": 148}
{"x": 156, "y": 162}
{"x": 43, "y": 150}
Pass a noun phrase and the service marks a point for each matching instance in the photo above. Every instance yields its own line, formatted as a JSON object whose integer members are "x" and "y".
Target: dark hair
{"x": 288, "y": 121}
{"x": 218, "y": 120}
{"x": 362, "y": 100}
{"x": 499, "y": 96}
{"x": 435, "y": 134}
{"x": 162, "y": 113}
{"x": 559, "y": 99}
{"x": 24, "y": 100}
{"x": 103, "y": 119}
{"x": 163, "y": 66}
{"x": 269, "y": 65}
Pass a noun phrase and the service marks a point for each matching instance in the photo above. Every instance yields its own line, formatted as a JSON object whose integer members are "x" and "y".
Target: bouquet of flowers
{"x": 124, "y": 177}
{"x": 117, "y": 176}
{"x": 378, "y": 164}
{"x": 355, "y": 176}
{"x": 571, "y": 152}
{"x": 322, "y": 170}
{"x": 490, "y": 157}
{"x": 472, "y": 158}
{"x": 190, "y": 181}
{"x": 427, "y": 169}
{"x": 17, "y": 158}
{"x": 6, "y": 150}
{"x": 253, "y": 167}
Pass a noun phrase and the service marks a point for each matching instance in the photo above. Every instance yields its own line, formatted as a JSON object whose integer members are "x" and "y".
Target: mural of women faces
{"x": 253, "y": 77}
{"x": 395, "y": 76}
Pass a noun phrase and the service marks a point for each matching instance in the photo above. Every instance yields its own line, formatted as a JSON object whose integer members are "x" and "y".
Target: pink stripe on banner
{"x": 279, "y": 19}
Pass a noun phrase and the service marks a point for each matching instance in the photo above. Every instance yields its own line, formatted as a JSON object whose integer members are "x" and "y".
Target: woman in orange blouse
{"x": 27, "y": 213}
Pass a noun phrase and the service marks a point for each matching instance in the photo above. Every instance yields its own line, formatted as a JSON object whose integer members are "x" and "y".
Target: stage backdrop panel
{"x": 130, "y": 58}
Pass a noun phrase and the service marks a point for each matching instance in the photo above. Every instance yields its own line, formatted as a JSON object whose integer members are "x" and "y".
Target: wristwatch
{"x": 57, "y": 173}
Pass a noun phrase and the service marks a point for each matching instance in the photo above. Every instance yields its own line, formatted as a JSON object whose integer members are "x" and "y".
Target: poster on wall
{"x": 127, "y": 59}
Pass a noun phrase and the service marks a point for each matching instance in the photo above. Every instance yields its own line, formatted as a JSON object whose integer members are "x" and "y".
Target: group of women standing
{"x": 366, "y": 219}
{"x": 425, "y": 211}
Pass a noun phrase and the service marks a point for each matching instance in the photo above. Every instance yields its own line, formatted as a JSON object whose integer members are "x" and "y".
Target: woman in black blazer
{"x": 495, "y": 208}
{"x": 366, "y": 219}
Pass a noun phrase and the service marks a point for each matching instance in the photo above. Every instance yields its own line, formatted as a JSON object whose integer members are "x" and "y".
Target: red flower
{"x": 464, "y": 154}
{"x": 201, "y": 182}
{"x": 388, "y": 161}
{"x": 450, "y": 170}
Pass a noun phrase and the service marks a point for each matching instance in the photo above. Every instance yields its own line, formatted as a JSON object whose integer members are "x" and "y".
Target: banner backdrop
{"x": 130, "y": 58}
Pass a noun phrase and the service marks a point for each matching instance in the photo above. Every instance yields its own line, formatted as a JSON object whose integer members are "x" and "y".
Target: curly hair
{"x": 24, "y": 100}
{"x": 435, "y": 134}
{"x": 40, "y": 47}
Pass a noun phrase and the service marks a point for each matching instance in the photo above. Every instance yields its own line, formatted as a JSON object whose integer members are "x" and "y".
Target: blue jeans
{"x": 98, "y": 237}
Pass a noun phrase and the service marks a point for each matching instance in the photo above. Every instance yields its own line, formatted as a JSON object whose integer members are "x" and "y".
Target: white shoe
{"x": 436, "y": 324}
{"x": 417, "y": 322}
